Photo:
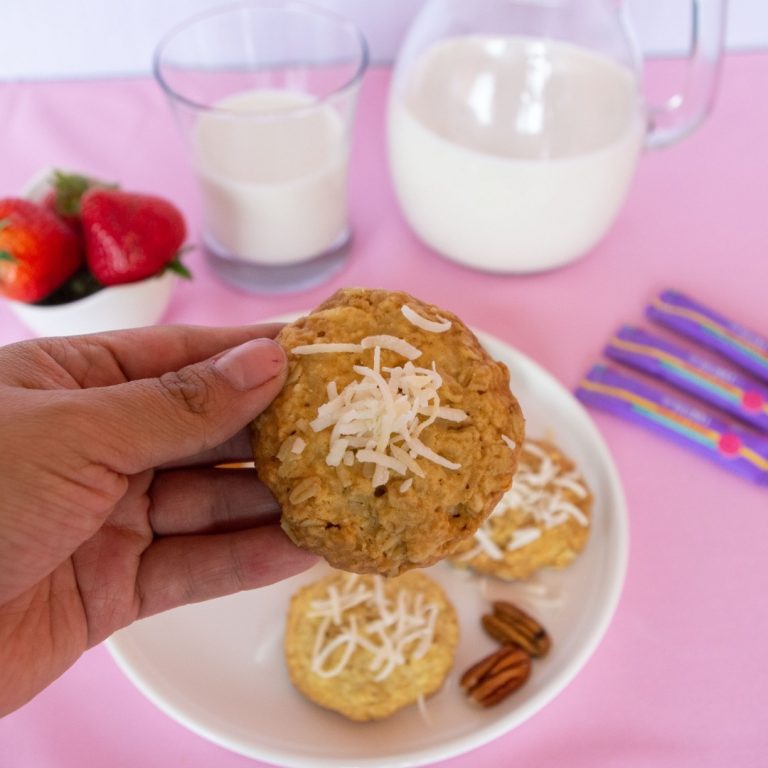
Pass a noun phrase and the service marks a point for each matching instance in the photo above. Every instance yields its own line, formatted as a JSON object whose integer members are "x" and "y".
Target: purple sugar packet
{"x": 689, "y": 318}
{"x": 719, "y": 385}
{"x": 735, "y": 449}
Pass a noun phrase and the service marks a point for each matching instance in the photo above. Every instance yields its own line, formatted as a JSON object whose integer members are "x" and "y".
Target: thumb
{"x": 144, "y": 423}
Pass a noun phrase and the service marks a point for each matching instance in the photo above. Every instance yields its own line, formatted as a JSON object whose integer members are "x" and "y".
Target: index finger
{"x": 142, "y": 353}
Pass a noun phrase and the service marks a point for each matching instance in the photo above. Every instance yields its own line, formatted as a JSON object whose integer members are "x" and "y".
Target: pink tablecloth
{"x": 681, "y": 678}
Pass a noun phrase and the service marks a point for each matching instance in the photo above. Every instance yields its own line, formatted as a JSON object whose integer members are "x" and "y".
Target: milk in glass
{"x": 272, "y": 166}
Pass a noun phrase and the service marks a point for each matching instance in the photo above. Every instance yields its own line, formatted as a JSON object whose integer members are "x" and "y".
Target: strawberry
{"x": 38, "y": 251}
{"x": 128, "y": 236}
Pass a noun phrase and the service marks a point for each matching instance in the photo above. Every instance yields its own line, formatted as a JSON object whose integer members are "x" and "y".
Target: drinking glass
{"x": 265, "y": 94}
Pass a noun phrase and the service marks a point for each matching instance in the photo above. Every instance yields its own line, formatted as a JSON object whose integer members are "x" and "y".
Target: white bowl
{"x": 120, "y": 306}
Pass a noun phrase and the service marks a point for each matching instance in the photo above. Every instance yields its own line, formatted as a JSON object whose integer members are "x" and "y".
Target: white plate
{"x": 217, "y": 667}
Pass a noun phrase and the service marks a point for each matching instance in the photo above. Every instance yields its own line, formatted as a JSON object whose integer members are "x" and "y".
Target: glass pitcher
{"x": 514, "y": 126}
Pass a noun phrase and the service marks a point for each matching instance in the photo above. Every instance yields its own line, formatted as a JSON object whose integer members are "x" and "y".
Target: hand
{"x": 110, "y": 506}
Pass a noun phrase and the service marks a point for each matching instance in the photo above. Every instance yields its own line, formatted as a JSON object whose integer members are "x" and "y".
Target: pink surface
{"x": 681, "y": 678}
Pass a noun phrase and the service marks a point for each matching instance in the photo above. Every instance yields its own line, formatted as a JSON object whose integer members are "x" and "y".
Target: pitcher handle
{"x": 683, "y": 113}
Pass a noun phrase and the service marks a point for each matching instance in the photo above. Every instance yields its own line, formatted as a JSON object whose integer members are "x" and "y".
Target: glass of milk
{"x": 265, "y": 93}
{"x": 514, "y": 126}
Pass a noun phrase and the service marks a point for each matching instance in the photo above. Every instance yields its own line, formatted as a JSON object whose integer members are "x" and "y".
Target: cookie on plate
{"x": 366, "y": 646}
{"x": 394, "y": 437}
{"x": 542, "y": 521}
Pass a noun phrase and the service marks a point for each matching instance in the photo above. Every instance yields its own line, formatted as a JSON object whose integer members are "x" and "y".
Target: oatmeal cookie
{"x": 394, "y": 436}
{"x": 366, "y": 646}
{"x": 542, "y": 521}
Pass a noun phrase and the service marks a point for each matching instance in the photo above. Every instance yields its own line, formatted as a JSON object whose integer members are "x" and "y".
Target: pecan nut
{"x": 497, "y": 676}
{"x": 508, "y": 624}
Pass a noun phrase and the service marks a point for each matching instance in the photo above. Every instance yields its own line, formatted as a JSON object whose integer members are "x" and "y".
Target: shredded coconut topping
{"x": 393, "y": 343}
{"x": 487, "y": 544}
{"x": 511, "y": 444}
{"x": 292, "y": 444}
{"x": 378, "y": 418}
{"x": 539, "y": 492}
{"x": 523, "y": 536}
{"x": 413, "y": 317}
{"x": 400, "y": 629}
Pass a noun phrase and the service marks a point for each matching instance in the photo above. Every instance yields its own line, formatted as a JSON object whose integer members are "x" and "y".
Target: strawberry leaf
{"x": 7, "y": 256}
{"x": 69, "y": 189}
{"x": 175, "y": 265}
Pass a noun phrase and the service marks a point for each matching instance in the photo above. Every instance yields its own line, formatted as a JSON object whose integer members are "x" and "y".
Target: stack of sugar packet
{"x": 739, "y": 443}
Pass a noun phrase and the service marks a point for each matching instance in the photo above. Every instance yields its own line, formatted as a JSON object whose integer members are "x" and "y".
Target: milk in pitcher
{"x": 513, "y": 154}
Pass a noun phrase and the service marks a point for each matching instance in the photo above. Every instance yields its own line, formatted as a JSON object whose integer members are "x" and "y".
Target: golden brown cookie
{"x": 366, "y": 646}
{"x": 543, "y": 520}
{"x": 394, "y": 436}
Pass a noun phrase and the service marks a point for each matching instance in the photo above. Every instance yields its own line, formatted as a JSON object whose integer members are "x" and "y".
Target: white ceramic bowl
{"x": 119, "y": 306}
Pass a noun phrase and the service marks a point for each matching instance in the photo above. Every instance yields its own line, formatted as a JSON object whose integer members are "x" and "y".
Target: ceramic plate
{"x": 217, "y": 667}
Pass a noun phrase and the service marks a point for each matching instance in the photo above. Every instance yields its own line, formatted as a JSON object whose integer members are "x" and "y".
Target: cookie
{"x": 366, "y": 646}
{"x": 542, "y": 521}
{"x": 394, "y": 437}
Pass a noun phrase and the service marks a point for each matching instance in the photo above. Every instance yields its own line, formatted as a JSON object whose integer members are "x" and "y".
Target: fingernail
{"x": 251, "y": 364}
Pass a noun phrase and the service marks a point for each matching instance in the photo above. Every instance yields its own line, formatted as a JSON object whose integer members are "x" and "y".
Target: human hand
{"x": 110, "y": 506}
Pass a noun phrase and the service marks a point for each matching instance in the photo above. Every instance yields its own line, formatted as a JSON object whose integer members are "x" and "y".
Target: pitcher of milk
{"x": 514, "y": 126}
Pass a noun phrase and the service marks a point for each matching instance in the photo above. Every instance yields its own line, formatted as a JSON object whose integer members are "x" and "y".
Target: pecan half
{"x": 508, "y": 624}
{"x": 496, "y": 676}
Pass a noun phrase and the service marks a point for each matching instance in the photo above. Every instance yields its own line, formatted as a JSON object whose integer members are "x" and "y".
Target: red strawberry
{"x": 38, "y": 251}
{"x": 129, "y": 237}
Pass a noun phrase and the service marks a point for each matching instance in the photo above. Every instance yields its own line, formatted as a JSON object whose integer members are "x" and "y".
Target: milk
{"x": 513, "y": 154}
{"x": 272, "y": 166}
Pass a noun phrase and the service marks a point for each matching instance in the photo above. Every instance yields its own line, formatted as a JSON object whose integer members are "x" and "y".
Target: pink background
{"x": 681, "y": 678}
